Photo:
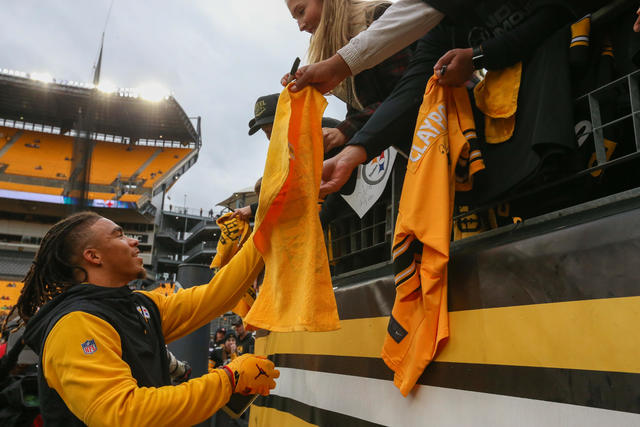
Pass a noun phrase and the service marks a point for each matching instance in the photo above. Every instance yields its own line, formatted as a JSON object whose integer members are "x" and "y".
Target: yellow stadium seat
{"x": 163, "y": 163}
{"x": 9, "y": 294}
{"x": 110, "y": 160}
{"x": 38, "y": 154}
{"x": 31, "y": 188}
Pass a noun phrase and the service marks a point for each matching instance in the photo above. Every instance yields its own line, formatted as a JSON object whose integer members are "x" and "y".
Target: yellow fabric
{"x": 234, "y": 232}
{"x": 609, "y": 147}
{"x": 419, "y": 321}
{"x": 497, "y": 97}
{"x": 297, "y": 293}
{"x": 100, "y": 390}
{"x": 580, "y": 32}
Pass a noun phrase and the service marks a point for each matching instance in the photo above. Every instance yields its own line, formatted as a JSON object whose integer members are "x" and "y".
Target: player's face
{"x": 118, "y": 254}
{"x": 307, "y": 13}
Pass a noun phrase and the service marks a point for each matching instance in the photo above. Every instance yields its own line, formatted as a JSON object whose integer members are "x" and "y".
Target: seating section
{"x": 130, "y": 198}
{"x": 45, "y": 155}
{"x": 38, "y": 154}
{"x": 166, "y": 159}
{"x": 9, "y": 294}
{"x": 27, "y": 188}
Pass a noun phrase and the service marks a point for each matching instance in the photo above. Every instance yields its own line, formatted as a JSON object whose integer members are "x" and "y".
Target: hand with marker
{"x": 252, "y": 374}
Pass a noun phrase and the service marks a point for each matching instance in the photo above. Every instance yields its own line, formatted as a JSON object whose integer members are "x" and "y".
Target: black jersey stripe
{"x": 617, "y": 391}
{"x": 311, "y": 414}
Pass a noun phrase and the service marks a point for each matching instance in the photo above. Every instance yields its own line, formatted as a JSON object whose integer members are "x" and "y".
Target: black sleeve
{"x": 254, "y": 209}
{"x": 518, "y": 44}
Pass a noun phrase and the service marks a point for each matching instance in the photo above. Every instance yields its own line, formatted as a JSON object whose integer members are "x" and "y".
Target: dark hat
{"x": 221, "y": 329}
{"x": 238, "y": 321}
{"x": 229, "y": 335}
{"x": 264, "y": 112}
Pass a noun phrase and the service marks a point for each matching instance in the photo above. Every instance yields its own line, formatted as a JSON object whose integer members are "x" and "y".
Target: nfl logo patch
{"x": 89, "y": 347}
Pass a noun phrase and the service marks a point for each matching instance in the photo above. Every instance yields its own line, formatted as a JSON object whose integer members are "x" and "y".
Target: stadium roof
{"x": 243, "y": 197}
{"x": 121, "y": 113}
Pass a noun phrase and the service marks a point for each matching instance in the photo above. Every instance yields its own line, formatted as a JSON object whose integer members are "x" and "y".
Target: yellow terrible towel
{"x": 297, "y": 294}
{"x": 497, "y": 97}
{"x": 233, "y": 233}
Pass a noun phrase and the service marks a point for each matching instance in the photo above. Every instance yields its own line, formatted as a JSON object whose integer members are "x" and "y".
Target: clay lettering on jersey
{"x": 433, "y": 125}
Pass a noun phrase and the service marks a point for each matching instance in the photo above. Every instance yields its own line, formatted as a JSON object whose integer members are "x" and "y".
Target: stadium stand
{"x": 164, "y": 161}
{"x": 38, "y": 154}
{"x": 28, "y": 188}
{"x": 111, "y": 160}
{"x": 9, "y": 294}
{"x": 138, "y": 150}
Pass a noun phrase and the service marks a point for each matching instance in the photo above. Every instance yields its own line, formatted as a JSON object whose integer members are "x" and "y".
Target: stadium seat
{"x": 9, "y": 294}
{"x": 162, "y": 163}
{"x": 38, "y": 154}
{"x": 110, "y": 160}
{"x": 27, "y": 188}
{"x": 130, "y": 197}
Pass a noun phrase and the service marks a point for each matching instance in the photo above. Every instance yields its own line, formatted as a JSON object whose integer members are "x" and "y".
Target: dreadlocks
{"x": 55, "y": 267}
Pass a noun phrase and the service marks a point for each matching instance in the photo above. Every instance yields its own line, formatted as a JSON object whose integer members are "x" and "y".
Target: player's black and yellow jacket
{"x": 102, "y": 351}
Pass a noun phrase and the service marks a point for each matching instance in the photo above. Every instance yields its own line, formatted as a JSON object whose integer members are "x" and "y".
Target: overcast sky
{"x": 215, "y": 56}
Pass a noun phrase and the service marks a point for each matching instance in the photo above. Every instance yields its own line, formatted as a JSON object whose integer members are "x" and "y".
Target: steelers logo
{"x": 260, "y": 108}
{"x": 376, "y": 170}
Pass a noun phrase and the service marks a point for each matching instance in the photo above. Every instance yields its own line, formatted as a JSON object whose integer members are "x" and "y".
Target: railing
{"x": 201, "y": 248}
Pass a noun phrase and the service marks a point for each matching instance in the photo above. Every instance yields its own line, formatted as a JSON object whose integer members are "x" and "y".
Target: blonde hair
{"x": 341, "y": 20}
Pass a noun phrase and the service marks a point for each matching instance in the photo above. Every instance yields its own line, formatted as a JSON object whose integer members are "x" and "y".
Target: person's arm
{"x": 404, "y": 22}
{"x": 100, "y": 390}
{"x": 506, "y": 49}
{"x": 189, "y": 309}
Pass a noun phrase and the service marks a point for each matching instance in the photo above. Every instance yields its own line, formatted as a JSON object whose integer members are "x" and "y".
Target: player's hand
{"x": 324, "y": 75}
{"x": 253, "y": 374}
{"x": 332, "y": 138}
{"x": 244, "y": 213}
{"x": 458, "y": 67}
{"x": 337, "y": 170}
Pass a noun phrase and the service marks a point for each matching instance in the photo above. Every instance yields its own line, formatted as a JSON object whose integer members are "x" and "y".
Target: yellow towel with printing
{"x": 497, "y": 97}
{"x": 233, "y": 233}
{"x": 297, "y": 294}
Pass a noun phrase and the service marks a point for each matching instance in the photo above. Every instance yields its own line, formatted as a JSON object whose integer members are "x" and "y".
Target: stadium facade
{"x": 67, "y": 146}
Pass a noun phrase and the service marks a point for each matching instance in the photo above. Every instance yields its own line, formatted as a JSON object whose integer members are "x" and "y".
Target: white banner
{"x": 370, "y": 182}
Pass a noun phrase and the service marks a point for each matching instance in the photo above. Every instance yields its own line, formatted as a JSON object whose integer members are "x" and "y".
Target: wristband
{"x": 477, "y": 58}
{"x": 227, "y": 370}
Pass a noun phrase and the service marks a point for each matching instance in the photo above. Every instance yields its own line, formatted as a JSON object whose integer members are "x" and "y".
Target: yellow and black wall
{"x": 544, "y": 331}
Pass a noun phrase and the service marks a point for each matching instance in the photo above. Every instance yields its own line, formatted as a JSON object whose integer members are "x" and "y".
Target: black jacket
{"x": 143, "y": 345}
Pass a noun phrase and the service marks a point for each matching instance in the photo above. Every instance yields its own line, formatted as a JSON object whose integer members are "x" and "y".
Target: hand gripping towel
{"x": 297, "y": 294}
{"x": 419, "y": 320}
{"x": 497, "y": 97}
{"x": 233, "y": 233}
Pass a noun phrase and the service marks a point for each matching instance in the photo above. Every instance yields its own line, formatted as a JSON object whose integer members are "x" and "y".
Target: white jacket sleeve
{"x": 404, "y": 22}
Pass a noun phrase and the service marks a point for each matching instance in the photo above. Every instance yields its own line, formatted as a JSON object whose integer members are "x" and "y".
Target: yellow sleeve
{"x": 188, "y": 310}
{"x": 99, "y": 389}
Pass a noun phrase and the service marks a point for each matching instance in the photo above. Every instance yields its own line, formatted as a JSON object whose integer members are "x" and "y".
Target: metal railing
{"x": 201, "y": 247}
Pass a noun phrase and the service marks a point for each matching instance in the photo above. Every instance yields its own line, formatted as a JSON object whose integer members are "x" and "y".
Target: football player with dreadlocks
{"x": 102, "y": 346}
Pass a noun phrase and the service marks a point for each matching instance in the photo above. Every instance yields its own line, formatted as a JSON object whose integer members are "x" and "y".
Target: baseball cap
{"x": 264, "y": 112}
